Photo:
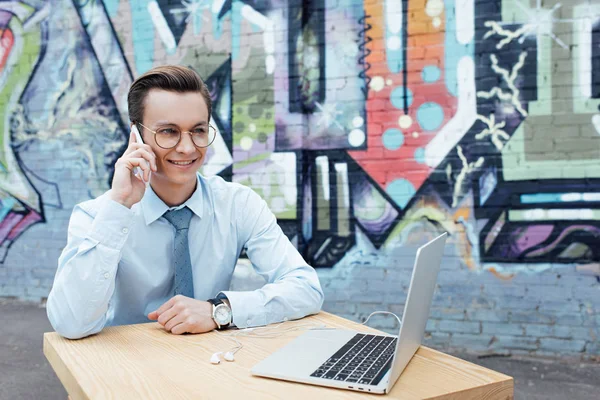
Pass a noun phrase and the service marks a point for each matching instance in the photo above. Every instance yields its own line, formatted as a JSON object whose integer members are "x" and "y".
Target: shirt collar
{"x": 153, "y": 207}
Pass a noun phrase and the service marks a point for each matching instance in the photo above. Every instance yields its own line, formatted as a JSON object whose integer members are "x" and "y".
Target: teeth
{"x": 182, "y": 162}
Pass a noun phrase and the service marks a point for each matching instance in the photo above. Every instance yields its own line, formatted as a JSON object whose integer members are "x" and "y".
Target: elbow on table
{"x": 72, "y": 331}
{"x": 319, "y": 298}
{"x": 69, "y": 327}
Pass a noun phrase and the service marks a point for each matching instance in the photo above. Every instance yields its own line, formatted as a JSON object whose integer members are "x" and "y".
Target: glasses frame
{"x": 180, "y": 134}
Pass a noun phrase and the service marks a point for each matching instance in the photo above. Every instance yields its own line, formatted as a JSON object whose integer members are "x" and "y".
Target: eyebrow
{"x": 174, "y": 124}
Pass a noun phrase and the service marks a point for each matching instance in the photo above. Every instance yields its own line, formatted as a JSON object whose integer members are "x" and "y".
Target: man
{"x": 167, "y": 251}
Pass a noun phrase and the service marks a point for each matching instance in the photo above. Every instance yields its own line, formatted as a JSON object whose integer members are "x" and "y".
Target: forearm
{"x": 81, "y": 292}
{"x": 294, "y": 295}
{"x": 85, "y": 278}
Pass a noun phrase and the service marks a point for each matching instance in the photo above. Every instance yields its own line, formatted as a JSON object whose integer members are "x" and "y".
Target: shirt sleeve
{"x": 292, "y": 290}
{"x": 85, "y": 278}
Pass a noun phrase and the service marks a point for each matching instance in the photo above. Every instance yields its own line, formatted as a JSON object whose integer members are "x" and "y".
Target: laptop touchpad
{"x": 304, "y": 354}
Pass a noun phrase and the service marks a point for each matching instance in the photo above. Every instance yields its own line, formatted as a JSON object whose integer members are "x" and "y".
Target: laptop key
{"x": 352, "y": 380}
{"x": 340, "y": 377}
{"x": 330, "y": 374}
{"x": 365, "y": 381}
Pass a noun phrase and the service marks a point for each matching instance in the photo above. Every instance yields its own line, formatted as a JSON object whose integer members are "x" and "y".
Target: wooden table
{"x": 146, "y": 362}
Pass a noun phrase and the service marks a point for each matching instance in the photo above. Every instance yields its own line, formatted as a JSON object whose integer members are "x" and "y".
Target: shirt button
{"x": 248, "y": 322}
{"x": 125, "y": 230}
{"x": 107, "y": 275}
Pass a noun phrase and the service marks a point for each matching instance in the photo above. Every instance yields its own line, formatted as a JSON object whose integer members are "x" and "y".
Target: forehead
{"x": 180, "y": 108}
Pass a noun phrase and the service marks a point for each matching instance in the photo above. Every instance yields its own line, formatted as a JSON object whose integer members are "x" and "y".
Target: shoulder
{"x": 224, "y": 192}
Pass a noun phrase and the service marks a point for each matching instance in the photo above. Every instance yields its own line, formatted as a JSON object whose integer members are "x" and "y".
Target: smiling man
{"x": 167, "y": 251}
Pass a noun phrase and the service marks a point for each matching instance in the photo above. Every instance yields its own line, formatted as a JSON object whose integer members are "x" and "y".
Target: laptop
{"x": 362, "y": 361}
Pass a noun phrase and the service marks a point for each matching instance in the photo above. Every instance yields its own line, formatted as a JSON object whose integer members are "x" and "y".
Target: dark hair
{"x": 173, "y": 78}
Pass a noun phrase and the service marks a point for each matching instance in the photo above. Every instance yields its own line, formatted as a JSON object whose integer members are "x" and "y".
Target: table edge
{"x": 60, "y": 368}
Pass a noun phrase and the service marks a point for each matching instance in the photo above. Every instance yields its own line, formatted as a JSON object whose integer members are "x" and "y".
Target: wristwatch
{"x": 221, "y": 313}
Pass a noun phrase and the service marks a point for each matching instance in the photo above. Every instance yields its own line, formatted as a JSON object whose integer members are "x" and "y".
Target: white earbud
{"x": 214, "y": 359}
{"x": 229, "y": 356}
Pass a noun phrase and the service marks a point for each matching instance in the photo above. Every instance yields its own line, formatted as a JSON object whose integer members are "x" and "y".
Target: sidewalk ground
{"x": 25, "y": 373}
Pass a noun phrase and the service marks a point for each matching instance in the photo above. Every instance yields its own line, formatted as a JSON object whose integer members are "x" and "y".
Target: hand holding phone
{"x": 137, "y": 170}
{"x": 139, "y": 159}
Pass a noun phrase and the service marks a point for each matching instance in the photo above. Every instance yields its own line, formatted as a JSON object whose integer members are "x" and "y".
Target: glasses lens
{"x": 167, "y": 137}
{"x": 204, "y": 136}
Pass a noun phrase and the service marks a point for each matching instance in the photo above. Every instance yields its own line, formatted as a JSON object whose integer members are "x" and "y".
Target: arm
{"x": 292, "y": 290}
{"x": 87, "y": 267}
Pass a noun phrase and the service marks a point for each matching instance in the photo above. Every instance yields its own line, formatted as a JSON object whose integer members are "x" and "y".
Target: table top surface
{"x": 145, "y": 361}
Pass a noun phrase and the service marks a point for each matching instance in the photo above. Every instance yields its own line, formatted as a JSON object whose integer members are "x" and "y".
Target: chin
{"x": 178, "y": 178}
{"x": 182, "y": 179}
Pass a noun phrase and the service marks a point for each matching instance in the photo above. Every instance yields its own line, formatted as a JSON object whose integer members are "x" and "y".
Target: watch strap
{"x": 215, "y": 302}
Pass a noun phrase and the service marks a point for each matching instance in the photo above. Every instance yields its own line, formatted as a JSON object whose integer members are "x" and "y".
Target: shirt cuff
{"x": 247, "y": 308}
{"x": 112, "y": 224}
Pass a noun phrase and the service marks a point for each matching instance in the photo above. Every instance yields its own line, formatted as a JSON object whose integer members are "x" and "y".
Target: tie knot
{"x": 180, "y": 219}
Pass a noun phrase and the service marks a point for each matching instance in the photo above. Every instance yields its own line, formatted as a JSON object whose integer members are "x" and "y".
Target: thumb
{"x": 131, "y": 137}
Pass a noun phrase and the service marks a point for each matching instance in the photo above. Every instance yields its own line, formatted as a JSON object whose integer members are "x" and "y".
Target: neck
{"x": 173, "y": 194}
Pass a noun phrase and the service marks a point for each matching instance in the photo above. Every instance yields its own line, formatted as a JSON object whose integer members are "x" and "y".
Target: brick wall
{"x": 368, "y": 127}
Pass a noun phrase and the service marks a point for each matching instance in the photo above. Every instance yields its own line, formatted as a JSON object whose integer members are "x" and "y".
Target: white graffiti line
{"x": 465, "y": 13}
{"x": 508, "y": 35}
{"x": 540, "y": 23}
{"x": 466, "y": 169}
{"x": 328, "y": 115}
{"x": 542, "y": 20}
{"x": 466, "y": 115}
{"x": 162, "y": 26}
{"x": 512, "y": 97}
{"x": 194, "y": 8}
{"x": 494, "y": 130}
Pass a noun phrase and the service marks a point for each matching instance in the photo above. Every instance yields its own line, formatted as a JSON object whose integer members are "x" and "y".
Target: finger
{"x": 153, "y": 316}
{"x": 131, "y": 137}
{"x": 133, "y": 146}
{"x": 139, "y": 162}
{"x": 146, "y": 152}
{"x": 166, "y": 316}
{"x": 166, "y": 305}
{"x": 180, "y": 329}
{"x": 176, "y": 320}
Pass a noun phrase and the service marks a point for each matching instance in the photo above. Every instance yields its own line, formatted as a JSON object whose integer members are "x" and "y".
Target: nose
{"x": 186, "y": 145}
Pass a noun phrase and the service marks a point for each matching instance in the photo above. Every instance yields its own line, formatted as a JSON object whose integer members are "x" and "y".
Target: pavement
{"x": 25, "y": 373}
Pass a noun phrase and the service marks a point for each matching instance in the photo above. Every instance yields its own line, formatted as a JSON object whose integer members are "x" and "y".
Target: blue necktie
{"x": 180, "y": 219}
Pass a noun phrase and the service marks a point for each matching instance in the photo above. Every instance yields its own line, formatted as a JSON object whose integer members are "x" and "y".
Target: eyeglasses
{"x": 169, "y": 137}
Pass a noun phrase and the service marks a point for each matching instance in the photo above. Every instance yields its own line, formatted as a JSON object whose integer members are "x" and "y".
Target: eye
{"x": 167, "y": 131}
{"x": 200, "y": 130}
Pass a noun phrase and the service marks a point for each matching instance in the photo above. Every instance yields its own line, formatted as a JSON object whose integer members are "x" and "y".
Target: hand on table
{"x": 184, "y": 315}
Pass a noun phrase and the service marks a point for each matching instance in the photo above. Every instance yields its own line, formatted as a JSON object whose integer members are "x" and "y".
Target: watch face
{"x": 222, "y": 314}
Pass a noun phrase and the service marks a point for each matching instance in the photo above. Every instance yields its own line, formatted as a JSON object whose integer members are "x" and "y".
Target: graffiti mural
{"x": 345, "y": 116}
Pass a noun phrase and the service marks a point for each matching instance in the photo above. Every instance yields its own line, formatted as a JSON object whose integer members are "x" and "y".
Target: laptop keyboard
{"x": 364, "y": 359}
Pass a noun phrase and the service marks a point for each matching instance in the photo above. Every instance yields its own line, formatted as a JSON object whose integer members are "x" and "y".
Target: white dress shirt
{"x": 117, "y": 266}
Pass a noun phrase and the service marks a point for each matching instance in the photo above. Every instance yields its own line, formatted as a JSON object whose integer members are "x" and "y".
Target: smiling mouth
{"x": 183, "y": 162}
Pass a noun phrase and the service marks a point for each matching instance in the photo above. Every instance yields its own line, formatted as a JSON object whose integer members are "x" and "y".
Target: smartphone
{"x": 137, "y": 170}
